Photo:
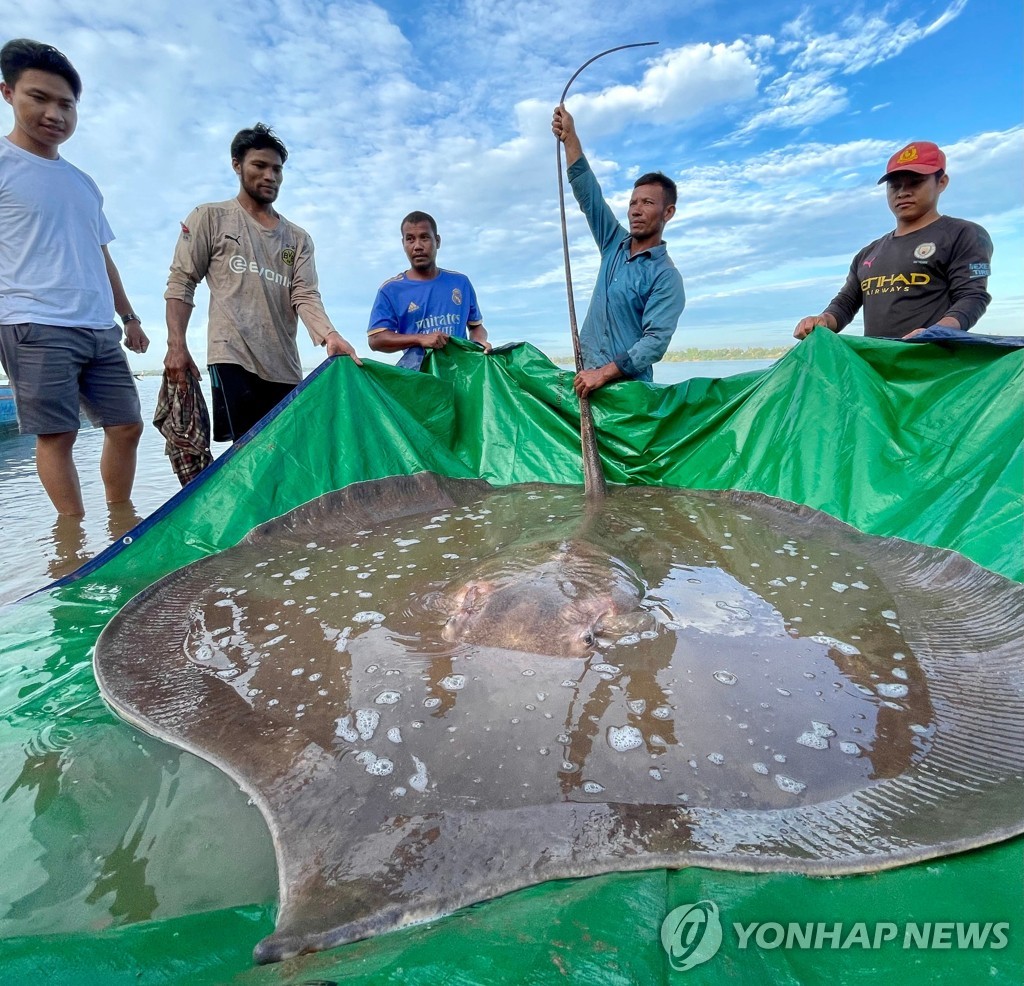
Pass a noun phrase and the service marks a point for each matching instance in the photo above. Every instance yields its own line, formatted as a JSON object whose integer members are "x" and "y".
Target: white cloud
{"x": 446, "y": 107}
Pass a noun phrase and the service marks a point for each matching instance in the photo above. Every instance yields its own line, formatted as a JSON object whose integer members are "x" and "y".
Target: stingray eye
{"x": 588, "y": 639}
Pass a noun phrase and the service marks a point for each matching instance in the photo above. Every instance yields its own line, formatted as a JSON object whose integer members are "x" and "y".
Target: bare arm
{"x": 564, "y": 128}
{"x": 478, "y": 334}
{"x": 178, "y": 362}
{"x": 135, "y": 338}
{"x": 587, "y": 381}
{"x": 338, "y": 345}
{"x": 387, "y": 341}
{"x": 807, "y": 325}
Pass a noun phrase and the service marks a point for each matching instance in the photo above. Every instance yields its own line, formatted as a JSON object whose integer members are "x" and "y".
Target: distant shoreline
{"x": 691, "y": 355}
{"x": 694, "y": 355}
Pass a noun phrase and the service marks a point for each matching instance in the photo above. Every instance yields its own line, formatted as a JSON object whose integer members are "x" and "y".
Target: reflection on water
{"x": 777, "y": 669}
{"x": 34, "y": 548}
{"x": 27, "y": 540}
{"x": 68, "y": 547}
{"x": 762, "y": 682}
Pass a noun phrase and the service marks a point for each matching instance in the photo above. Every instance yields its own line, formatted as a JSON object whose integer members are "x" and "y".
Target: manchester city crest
{"x": 924, "y": 251}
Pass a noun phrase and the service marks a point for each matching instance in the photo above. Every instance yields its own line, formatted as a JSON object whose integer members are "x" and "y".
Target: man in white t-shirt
{"x": 59, "y": 289}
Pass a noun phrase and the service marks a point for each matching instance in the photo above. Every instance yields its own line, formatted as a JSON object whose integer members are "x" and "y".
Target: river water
{"x": 37, "y": 547}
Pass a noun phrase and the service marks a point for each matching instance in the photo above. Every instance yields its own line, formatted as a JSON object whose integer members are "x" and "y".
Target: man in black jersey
{"x": 930, "y": 270}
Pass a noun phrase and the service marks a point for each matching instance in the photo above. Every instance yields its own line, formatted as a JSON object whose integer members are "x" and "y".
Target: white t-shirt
{"x": 51, "y": 229}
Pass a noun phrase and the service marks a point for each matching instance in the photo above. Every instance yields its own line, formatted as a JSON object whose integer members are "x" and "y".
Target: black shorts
{"x": 240, "y": 399}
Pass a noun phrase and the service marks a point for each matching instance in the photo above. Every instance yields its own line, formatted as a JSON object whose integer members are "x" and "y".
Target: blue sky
{"x": 775, "y": 119}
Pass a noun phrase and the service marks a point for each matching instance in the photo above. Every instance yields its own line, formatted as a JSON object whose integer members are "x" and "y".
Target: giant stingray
{"x": 690, "y": 678}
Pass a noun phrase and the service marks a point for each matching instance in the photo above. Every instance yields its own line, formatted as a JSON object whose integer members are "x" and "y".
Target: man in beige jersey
{"x": 260, "y": 272}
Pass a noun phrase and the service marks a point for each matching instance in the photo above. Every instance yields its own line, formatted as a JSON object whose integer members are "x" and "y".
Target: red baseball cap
{"x": 922, "y": 157}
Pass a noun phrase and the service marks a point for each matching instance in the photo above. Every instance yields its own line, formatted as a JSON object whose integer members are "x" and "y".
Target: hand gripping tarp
{"x": 128, "y": 862}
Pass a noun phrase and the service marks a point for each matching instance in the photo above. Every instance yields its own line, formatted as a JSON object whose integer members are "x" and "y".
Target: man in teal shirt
{"x": 638, "y": 297}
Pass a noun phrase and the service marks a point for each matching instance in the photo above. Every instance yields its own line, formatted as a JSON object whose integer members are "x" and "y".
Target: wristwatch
{"x": 129, "y": 317}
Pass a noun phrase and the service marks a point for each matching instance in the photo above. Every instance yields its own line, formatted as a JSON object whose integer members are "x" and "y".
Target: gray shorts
{"x": 58, "y": 370}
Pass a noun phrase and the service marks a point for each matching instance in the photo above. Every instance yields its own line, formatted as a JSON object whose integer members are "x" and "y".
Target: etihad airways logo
{"x": 894, "y": 283}
{"x": 239, "y": 265}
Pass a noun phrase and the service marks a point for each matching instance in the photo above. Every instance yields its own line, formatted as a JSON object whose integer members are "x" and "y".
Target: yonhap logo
{"x": 691, "y": 934}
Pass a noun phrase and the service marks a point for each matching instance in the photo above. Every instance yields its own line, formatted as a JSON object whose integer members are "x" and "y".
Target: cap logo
{"x": 907, "y": 155}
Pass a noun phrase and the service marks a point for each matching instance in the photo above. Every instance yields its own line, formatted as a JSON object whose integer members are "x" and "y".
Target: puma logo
{"x": 237, "y": 239}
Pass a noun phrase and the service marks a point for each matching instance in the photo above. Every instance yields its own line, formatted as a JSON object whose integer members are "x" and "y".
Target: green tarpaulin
{"x": 127, "y": 862}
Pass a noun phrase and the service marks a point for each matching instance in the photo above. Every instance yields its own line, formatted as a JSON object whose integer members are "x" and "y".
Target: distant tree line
{"x": 692, "y": 354}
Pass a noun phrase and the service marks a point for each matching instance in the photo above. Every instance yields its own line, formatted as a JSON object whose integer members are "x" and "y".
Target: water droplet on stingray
{"x": 725, "y": 677}
{"x": 529, "y": 673}
{"x": 851, "y": 749}
{"x": 847, "y": 650}
{"x": 789, "y": 785}
{"x": 388, "y": 698}
{"x": 418, "y": 782}
{"x": 716, "y": 758}
{"x": 431, "y": 703}
{"x": 453, "y": 682}
{"x": 900, "y": 673}
{"x": 368, "y": 616}
{"x": 892, "y": 690}
{"x": 662, "y": 712}
{"x": 605, "y": 668}
{"x": 813, "y": 741}
{"x": 592, "y": 787}
{"x": 367, "y": 721}
{"x": 395, "y": 734}
{"x": 761, "y": 768}
{"x": 624, "y": 738}
{"x": 655, "y": 773}
{"x": 343, "y": 727}
{"x": 784, "y": 692}
{"x": 637, "y": 705}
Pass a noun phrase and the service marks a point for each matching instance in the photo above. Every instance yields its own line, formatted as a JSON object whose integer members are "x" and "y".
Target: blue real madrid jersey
{"x": 445, "y": 304}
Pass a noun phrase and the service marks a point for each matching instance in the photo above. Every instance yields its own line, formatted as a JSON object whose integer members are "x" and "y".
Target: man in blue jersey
{"x": 424, "y": 306}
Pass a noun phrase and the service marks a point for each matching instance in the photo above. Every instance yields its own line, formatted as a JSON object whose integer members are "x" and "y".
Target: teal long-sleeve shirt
{"x": 637, "y": 300}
